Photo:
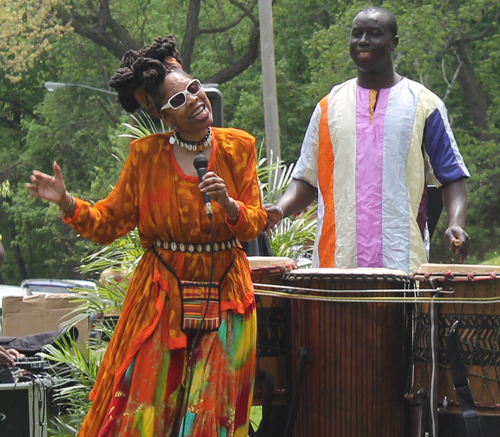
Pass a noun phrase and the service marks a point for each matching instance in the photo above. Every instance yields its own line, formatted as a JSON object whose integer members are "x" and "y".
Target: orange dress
{"x": 154, "y": 194}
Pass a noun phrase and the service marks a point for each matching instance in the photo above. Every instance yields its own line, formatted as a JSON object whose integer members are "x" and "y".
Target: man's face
{"x": 371, "y": 42}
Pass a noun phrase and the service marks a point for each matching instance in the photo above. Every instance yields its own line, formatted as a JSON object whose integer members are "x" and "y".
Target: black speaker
{"x": 217, "y": 101}
{"x": 23, "y": 410}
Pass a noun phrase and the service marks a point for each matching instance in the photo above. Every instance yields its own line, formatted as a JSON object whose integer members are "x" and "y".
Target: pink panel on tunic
{"x": 369, "y": 171}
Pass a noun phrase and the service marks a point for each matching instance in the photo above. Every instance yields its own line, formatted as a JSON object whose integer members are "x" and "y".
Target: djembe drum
{"x": 354, "y": 381}
{"x": 469, "y": 289}
{"x": 272, "y": 322}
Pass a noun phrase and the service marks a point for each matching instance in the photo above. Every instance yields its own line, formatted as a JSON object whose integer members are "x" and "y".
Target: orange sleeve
{"x": 114, "y": 216}
{"x": 252, "y": 217}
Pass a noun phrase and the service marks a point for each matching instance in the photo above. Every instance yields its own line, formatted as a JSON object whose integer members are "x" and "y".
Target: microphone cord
{"x": 190, "y": 363}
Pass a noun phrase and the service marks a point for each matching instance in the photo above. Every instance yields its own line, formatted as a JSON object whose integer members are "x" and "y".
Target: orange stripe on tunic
{"x": 326, "y": 162}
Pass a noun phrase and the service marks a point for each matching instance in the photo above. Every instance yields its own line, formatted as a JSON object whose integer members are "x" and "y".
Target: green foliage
{"x": 292, "y": 237}
{"x": 141, "y": 127}
{"x": 77, "y": 127}
{"x": 493, "y": 257}
{"x": 483, "y": 160}
{"x": 246, "y": 110}
{"x": 76, "y": 367}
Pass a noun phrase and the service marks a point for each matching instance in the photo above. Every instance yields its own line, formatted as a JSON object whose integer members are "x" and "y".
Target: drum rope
{"x": 476, "y": 307}
{"x": 478, "y": 333}
{"x": 433, "y": 334}
{"x": 297, "y": 293}
{"x": 292, "y": 290}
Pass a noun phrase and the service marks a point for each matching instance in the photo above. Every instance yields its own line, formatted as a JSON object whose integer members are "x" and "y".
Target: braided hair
{"x": 161, "y": 49}
{"x": 145, "y": 69}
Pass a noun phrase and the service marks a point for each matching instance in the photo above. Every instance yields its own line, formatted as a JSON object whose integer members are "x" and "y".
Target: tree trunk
{"x": 19, "y": 256}
{"x": 104, "y": 31}
{"x": 193, "y": 22}
{"x": 241, "y": 64}
{"x": 474, "y": 95}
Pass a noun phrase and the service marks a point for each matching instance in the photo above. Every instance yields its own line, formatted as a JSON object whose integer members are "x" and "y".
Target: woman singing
{"x": 182, "y": 359}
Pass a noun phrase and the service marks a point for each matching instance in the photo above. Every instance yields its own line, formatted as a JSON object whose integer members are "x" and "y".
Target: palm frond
{"x": 294, "y": 238}
{"x": 144, "y": 126}
{"x": 291, "y": 238}
{"x": 76, "y": 368}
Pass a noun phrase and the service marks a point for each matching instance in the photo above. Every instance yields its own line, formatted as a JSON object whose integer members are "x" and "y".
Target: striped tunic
{"x": 369, "y": 154}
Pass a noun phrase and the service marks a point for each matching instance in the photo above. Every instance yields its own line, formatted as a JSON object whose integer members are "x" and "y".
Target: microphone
{"x": 200, "y": 164}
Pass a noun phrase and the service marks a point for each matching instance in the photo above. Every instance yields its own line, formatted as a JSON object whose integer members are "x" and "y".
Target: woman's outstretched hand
{"x": 48, "y": 187}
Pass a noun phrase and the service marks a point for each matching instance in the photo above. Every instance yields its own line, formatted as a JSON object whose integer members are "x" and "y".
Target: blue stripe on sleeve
{"x": 440, "y": 144}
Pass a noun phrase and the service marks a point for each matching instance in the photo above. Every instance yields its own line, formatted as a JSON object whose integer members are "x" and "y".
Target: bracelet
{"x": 280, "y": 209}
{"x": 236, "y": 217}
{"x": 70, "y": 205}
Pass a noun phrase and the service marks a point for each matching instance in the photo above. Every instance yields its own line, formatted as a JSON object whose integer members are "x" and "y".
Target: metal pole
{"x": 51, "y": 86}
{"x": 271, "y": 120}
{"x": 111, "y": 93}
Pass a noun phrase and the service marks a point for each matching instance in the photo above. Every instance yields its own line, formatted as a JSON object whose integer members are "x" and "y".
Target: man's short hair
{"x": 391, "y": 19}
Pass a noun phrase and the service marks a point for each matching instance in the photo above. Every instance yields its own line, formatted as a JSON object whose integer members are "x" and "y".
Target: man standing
{"x": 370, "y": 144}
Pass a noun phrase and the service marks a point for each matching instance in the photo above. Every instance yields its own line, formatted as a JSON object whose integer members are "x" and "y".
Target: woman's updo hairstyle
{"x": 143, "y": 69}
{"x": 161, "y": 49}
{"x": 149, "y": 73}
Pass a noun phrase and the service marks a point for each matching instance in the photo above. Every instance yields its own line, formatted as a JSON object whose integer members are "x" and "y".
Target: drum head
{"x": 262, "y": 266}
{"x": 265, "y": 261}
{"x": 449, "y": 271}
{"x": 360, "y": 274}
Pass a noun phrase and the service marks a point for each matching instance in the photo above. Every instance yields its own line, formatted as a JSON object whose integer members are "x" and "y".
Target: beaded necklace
{"x": 205, "y": 142}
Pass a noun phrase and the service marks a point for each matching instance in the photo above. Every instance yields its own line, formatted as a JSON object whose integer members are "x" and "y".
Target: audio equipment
{"x": 33, "y": 364}
{"x": 23, "y": 409}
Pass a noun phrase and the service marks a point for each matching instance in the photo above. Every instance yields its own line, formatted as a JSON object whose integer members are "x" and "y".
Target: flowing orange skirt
{"x": 204, "y": 391}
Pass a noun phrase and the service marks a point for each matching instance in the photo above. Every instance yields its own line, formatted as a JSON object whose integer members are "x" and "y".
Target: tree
{"x": 29, "y": 28}
{"x": 451, "y": 47}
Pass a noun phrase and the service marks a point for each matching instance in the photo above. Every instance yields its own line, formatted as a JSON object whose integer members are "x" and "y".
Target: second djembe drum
{"x": 472, "y": 292}
{"x": 272, "y": 323}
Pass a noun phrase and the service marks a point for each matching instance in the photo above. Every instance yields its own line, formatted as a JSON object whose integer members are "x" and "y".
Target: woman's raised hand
{"x": 48, "y": 187}
{"x": 215, "y": 187}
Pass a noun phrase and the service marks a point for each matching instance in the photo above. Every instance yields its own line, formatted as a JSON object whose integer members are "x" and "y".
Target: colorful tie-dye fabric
{"x": 370, "y": 164}
{"x": 150, "y": 398}
{"x": 155, "y": 195}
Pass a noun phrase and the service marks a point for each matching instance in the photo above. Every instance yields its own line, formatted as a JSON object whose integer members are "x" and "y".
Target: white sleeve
{"x": 306, "y": 167}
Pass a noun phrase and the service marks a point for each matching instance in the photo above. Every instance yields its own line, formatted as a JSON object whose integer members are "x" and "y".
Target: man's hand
{"x": 8, "y": 357}
{"x": 455, "y": 203}
{"x": 274, "y": 215}
{"x": 459, "y": 241}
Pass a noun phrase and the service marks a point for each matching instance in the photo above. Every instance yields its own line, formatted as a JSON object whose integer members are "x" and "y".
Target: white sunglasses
{"x": 178, "y": 100}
